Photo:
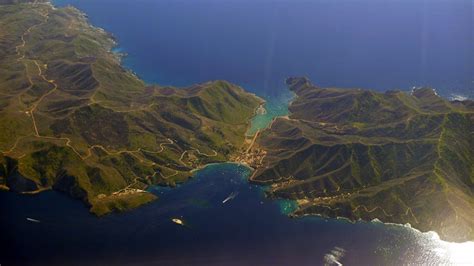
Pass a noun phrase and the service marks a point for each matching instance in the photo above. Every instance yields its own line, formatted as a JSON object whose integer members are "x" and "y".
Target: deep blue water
{"x": 378, "y": 44}
{"x": 256, "y": 44}
{"x": 248, "y": 230}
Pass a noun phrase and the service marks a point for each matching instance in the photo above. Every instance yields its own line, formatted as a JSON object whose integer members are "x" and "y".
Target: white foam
{"x": 458, "y": 97}
{"x": 334, "y": 256}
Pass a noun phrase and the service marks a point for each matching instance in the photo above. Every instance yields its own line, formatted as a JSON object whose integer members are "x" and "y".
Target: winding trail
{"x": 32, "y": 112}
{"x": 166, "y": 177}
{"x": 371, "y": 210}
{"x": 127, "y": 188}
{"x": 35, "y": 105}
{"x": 207, "y": 155}
{"x": 198, "y": 152}
{"x": 162, "y": 148}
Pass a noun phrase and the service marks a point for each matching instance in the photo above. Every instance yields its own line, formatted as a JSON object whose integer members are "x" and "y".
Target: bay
{"x": 255, "y": 44}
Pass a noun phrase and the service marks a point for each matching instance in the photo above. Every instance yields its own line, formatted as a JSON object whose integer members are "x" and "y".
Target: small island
{"x": 397, "y": 157}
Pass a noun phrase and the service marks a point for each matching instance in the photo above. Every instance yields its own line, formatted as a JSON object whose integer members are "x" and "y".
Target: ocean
{"x": 373, "y": 44}
{"x": 246, "y": 230}
{"x": 390, "y": 44}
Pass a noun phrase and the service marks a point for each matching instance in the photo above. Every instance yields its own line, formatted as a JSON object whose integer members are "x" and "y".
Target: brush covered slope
{"x": 359, "y": 154}
{"x": 72, "y": 119}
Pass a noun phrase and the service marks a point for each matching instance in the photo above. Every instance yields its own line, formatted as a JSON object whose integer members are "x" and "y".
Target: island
{"x": 74, "y": 120}
{"x": 399, "y": 157}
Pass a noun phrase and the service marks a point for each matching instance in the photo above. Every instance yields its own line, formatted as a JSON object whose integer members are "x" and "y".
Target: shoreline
{"x": 376, "y": 221}
{"x": 201, "y": 167}
{"x": 110, "y": 43}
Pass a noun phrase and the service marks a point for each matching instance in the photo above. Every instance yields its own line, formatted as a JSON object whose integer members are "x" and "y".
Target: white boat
{"x": 178, "y": 221}
{"x": 230, "y": 197}
{"x": 33, "y": 220}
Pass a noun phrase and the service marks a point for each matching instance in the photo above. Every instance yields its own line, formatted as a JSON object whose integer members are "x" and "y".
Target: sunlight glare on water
{"x": 445, "y": 253}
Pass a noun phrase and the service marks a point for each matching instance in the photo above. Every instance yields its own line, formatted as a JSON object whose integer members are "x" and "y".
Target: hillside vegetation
{"x": 74, "y": 120}
{"x": 395, "y": 156}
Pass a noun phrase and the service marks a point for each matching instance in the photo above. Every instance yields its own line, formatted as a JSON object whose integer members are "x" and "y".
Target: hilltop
{"x": 74, "y": 120}
{"x": 396, "y": 156}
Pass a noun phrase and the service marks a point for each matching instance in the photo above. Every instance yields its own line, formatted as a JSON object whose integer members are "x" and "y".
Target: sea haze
{"x": 378, "y": 44}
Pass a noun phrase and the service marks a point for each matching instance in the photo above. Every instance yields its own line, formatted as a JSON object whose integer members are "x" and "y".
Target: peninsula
{"x": 74, "y": 120}
{"x": 398, "y": 157}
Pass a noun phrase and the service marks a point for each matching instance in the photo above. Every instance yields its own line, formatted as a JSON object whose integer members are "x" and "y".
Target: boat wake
{"x": 334, "y": 256}
{"x": 32, "y": 220}
{"x": 230, "y": 197}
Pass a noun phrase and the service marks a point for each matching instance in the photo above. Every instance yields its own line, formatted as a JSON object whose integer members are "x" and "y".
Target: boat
{"x": 178, "y": 221}
{"x": 230, "y": 197}
{"x": 33, "y": 220}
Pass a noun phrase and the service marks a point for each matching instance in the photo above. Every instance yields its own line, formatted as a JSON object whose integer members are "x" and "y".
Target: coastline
{"x": 201, "y": 167}
{"x": 109, "y": 43}
{"x": 431, "y": 234}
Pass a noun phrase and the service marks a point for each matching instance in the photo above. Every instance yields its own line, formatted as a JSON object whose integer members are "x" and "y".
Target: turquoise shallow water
{"x": 256, "y": 45}
{"x": 275, "y": 106}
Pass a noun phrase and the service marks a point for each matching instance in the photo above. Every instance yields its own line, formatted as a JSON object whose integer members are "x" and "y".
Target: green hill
{"x": 395, "y": 156}
{"x": 74, "y": 120}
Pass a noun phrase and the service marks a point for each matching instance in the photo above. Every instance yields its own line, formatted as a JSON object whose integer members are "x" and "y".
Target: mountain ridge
{"x": 74, "y": 120}
{"x": 395, "y": 156}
